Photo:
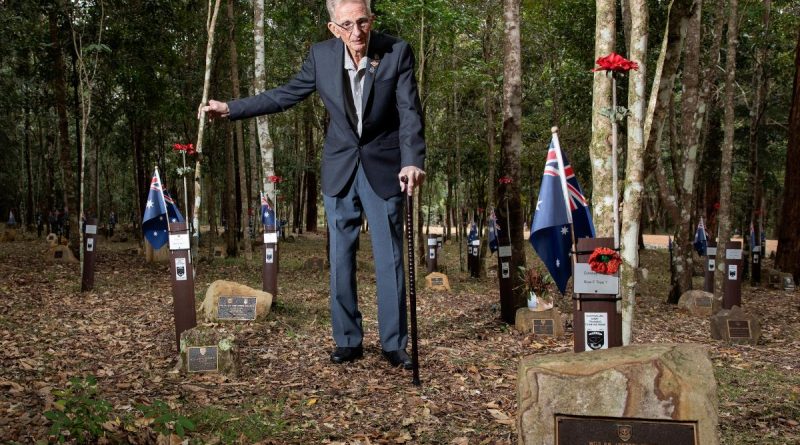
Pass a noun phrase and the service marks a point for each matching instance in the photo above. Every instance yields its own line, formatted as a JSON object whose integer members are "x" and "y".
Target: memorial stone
{"x": 546, "y": 322}
{"x": 735, "y": 326}
{"x": 209, "y": 349}
{"x": 437, "y": 281}
{"x": 61, "y": 254}
{"x": 696, "y": 302}
{"x": 220, "y": 252}
{"x": 787, "y": 282}
{"x": 226, "y": 300}
{"x": 669, "y": 387}
{"x": 52, "y": 239}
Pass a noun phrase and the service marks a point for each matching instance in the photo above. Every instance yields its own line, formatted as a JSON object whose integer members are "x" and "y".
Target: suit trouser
{"x": 345, "y": 214}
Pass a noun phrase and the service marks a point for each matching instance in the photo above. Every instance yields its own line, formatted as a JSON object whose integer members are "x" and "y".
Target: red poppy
{"x": 188, "y": 148}
{"x": 616, "y": 63}
{"x": 505, "y": 180}
{"x": 605, "y": 261}
{"x": 716, "y": 206}
{"x": 275, "y": 179}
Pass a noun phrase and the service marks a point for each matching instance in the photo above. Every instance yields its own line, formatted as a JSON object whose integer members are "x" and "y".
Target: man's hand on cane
{"x": 416, "y": 177}
{"x": 214, "y": 110}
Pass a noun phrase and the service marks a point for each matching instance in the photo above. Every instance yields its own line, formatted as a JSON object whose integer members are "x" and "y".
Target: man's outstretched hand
{"x": 416, "y": 177}
{"x": 214, "y": 110}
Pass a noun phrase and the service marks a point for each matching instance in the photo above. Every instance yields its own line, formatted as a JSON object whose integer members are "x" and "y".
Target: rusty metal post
{"x": 269, "y": 274}
{"x": 711, "y": 266}
{"x": 732, "y": 288}
{"x": 182, "y": 277}
{"x": 89, "y": 252}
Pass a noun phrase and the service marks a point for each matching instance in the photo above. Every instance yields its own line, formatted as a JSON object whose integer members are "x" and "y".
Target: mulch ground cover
{"x": 105, "y": 359}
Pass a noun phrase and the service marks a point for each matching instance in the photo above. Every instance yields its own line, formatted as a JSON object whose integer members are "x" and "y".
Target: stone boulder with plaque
{"x": 230, "y": 301}
{"x": 437, "y": 281}
{"x": 656, "y": 394}
{"x": 209, "y": 349}
{"x": 545, "y": 322}
{"x": 220, "y": 252}
{"x": 60, "y": 254}
{"x": 696, "y": 302}
{"x": 735, "y": 326}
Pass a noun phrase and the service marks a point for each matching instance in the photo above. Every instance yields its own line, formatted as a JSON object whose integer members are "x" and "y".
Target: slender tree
{"x": 259, "y": 85}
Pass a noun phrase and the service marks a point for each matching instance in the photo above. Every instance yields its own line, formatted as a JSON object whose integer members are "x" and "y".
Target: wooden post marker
{"x": 431, "y": 259}
{"x": 474, "y": 258}
{"x": 732, "y": 288}
{"x": 596, "y": 322}
{"x": 89, "y": 252}
{"x": 711, "y": 265}
{"x": 182, "y": 277}
{"x": 755, "y": 259}
{"x": 269, "y": 274}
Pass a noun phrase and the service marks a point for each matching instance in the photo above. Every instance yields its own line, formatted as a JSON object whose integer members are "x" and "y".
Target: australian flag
{"x": 154, "y": 223}
{"x": 700, "y": 239}
{"x": 473, "y": 233}
{"x": 550, "y": 231}
{"x": 494, "y": 230}
{"x": 267, "y": 212}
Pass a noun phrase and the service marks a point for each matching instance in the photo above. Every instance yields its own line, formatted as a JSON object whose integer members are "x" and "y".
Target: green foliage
{"x": 165, "y": 420}
{"x": 78, "y": 412}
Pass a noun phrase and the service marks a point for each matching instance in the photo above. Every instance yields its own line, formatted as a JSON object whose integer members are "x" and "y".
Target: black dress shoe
{"x": 346, "y": 354}
{"x": 398, "y": 358}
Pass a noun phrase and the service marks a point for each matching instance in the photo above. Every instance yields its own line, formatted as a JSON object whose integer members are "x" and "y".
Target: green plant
{"x": 165, "y": 420}
{"x": 78, "y": 412}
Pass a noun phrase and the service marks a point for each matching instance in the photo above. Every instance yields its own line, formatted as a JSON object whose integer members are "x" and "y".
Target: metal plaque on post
{"x": 182, "y": 278}
{"x": 588, "y": 430}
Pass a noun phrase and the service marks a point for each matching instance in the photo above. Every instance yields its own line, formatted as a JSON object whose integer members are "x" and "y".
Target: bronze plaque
{"x": 202, "y": 359}
{"x": 703, "y": 302}
{"x": 579, "y": 430}
{"x": 58, "y": 254}
{"x": 544, "y": 326}
{"x": 236, "y": 308}
{"x": 739, "y": 329}
{"x": 437, "y": 281}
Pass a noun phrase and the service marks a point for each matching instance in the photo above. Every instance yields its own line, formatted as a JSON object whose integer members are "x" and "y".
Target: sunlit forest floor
{"x": 122, "y": 335}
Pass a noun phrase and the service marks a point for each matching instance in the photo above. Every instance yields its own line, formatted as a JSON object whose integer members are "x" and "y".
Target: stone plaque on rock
{"x": 437, "y": 281}
{"x": 788, "y": 282}
{"x": 202, "y": 359}
{"x": 620, "y": 392}
{"x": 696, "y": 302}
{"x": 61, "y": 253}
{"x": 544, "y": 326}
{"x": 236, "y": 308}
{"x": 600, "y": 430}
{"x": 219, "y": 252}
{"x": 735, "y": 326}
{"x": 546, "y": 322}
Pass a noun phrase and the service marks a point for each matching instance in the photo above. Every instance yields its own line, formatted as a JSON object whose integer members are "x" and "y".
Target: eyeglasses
{"x": 362, "y": 23}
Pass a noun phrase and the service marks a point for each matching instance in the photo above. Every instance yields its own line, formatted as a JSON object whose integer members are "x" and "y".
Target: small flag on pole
{"x": 560, "y": 204}
{"x": 175, "y": 215}
{"x": 473, "y": 233}
{"x": 154, "y": 222}
{"x": 701, "y": 239}
{"x": 494, "y": 230}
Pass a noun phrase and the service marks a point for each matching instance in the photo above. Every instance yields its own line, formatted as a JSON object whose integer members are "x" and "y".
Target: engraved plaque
{"x": 788, "y": 282}
{"x": 703, "y": 302}
{"x": 236, "y": 308}
{"x": 202, "y": 359}
{"x": 544, "y": 326}
{"x": 739, "y": 329}
{"x": 217, "y": 253}
{"x": 437, "y": 281}
{"x": 58, "y": 254}
{"x": 609, "y": 430}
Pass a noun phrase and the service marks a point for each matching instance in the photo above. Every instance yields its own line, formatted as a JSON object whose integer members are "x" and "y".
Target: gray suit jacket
{"x": 392, "y": 133}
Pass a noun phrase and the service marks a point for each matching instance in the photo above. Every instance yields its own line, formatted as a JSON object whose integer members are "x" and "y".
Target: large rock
{"x": 546, "y": 322}
{"x": 60, "y": 254}
{"x": 52, "y": 239}
{"x": 736, "y": 326}
{"x": 9, "y": 235}
{"x": 696, "y": 302}
{"x": 655, "y": 381}
{"x": 437, "y": 281}
{"x": 228, "y": 289}
{"x": 213, "y": 349}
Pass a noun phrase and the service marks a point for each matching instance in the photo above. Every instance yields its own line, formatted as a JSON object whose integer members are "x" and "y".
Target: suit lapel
{"x": 374, "y": 54}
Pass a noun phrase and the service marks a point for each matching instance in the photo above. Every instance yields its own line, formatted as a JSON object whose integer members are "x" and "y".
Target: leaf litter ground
{"x": 289, "y": 392}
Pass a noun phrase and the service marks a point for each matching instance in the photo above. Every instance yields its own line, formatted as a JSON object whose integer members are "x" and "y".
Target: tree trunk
{"x": 245, "y": 199}
{"x": 259, "y": 84}
{"x": 488, "y": 106}
{"x": 29, "y": 222}
{"x": 634, "y": 170}
{"x": 600, "y": 149}
{"x": 230, "y": 194}
{"x": 211, "y": 24}
{"x": 760, "y": 86}
{"x": 508, "y": 194}
{"x": 726, "y": 165}
{"x": 788, "y": 257}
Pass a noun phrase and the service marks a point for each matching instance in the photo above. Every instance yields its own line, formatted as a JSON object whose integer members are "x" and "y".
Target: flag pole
{"x": 562, "y": 175}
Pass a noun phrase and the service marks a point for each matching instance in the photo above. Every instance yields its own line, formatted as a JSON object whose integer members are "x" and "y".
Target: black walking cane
{"x": 412, "y": 283}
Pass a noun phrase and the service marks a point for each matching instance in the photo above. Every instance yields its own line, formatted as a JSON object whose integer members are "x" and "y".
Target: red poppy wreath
{"x": 605, "y": 261}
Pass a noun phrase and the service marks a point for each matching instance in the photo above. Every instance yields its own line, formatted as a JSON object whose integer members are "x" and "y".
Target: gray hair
{"x": 333, "y": 4}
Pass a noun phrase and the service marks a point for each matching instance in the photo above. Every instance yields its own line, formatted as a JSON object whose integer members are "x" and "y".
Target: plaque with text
{"x": 703, "y": 302}
{"x": 236, "y": 308}
{"x": 587, "y": 281}
{"x": 202, "y": 359}
{"x": 179, "y": 241}
{"x": 572, "y": 430}
{"x": 739, "y": 329}
{"x": 437, "y": 281}
{"x": 91, "y": 229}
{"x": 711, "y": 251}
{"x": 544, "y": 326}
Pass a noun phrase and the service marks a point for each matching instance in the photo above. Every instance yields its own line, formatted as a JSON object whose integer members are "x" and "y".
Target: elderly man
{"x": 375, "y": 137}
